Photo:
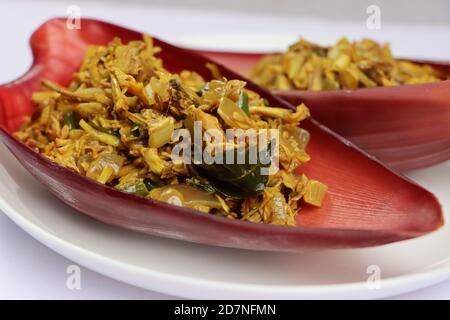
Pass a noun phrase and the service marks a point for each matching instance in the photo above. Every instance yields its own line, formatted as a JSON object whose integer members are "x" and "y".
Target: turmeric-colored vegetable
{"x": 116, "y": 123}
{"x": 345, "y": 65}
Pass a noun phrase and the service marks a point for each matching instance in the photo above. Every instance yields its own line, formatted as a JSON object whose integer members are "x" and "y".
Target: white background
{"x": 31, "y": 271}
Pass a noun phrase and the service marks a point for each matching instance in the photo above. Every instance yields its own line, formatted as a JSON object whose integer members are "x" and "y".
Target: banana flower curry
{"x": 115, "y": 123}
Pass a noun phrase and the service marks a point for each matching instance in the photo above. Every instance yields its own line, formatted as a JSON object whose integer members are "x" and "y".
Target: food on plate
{"x": 362, "y": 208}
{"x": 345, "y": 65}
{"x": 124, "y": 119}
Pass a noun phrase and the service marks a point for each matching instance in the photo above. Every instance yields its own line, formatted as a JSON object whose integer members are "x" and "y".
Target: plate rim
{"x": 179, "y": 286}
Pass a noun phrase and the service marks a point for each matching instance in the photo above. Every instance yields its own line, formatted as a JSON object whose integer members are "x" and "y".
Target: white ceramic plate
{"x": 196, "y": 271}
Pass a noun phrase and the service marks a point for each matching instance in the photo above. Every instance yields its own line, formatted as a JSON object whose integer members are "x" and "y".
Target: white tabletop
{"x": 29, "y": 270}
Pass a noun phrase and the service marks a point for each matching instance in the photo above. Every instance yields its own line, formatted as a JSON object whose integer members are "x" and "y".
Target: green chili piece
{"x": 243, "y": 102}
{"x": 139, "y": 189}
{"x": 70, "y": 120}
{"x": 196, "y": 182}
{"x": 152, "y": 184}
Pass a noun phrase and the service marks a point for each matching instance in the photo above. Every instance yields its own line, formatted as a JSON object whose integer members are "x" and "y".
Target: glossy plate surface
{"x": 367, "y": 203}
